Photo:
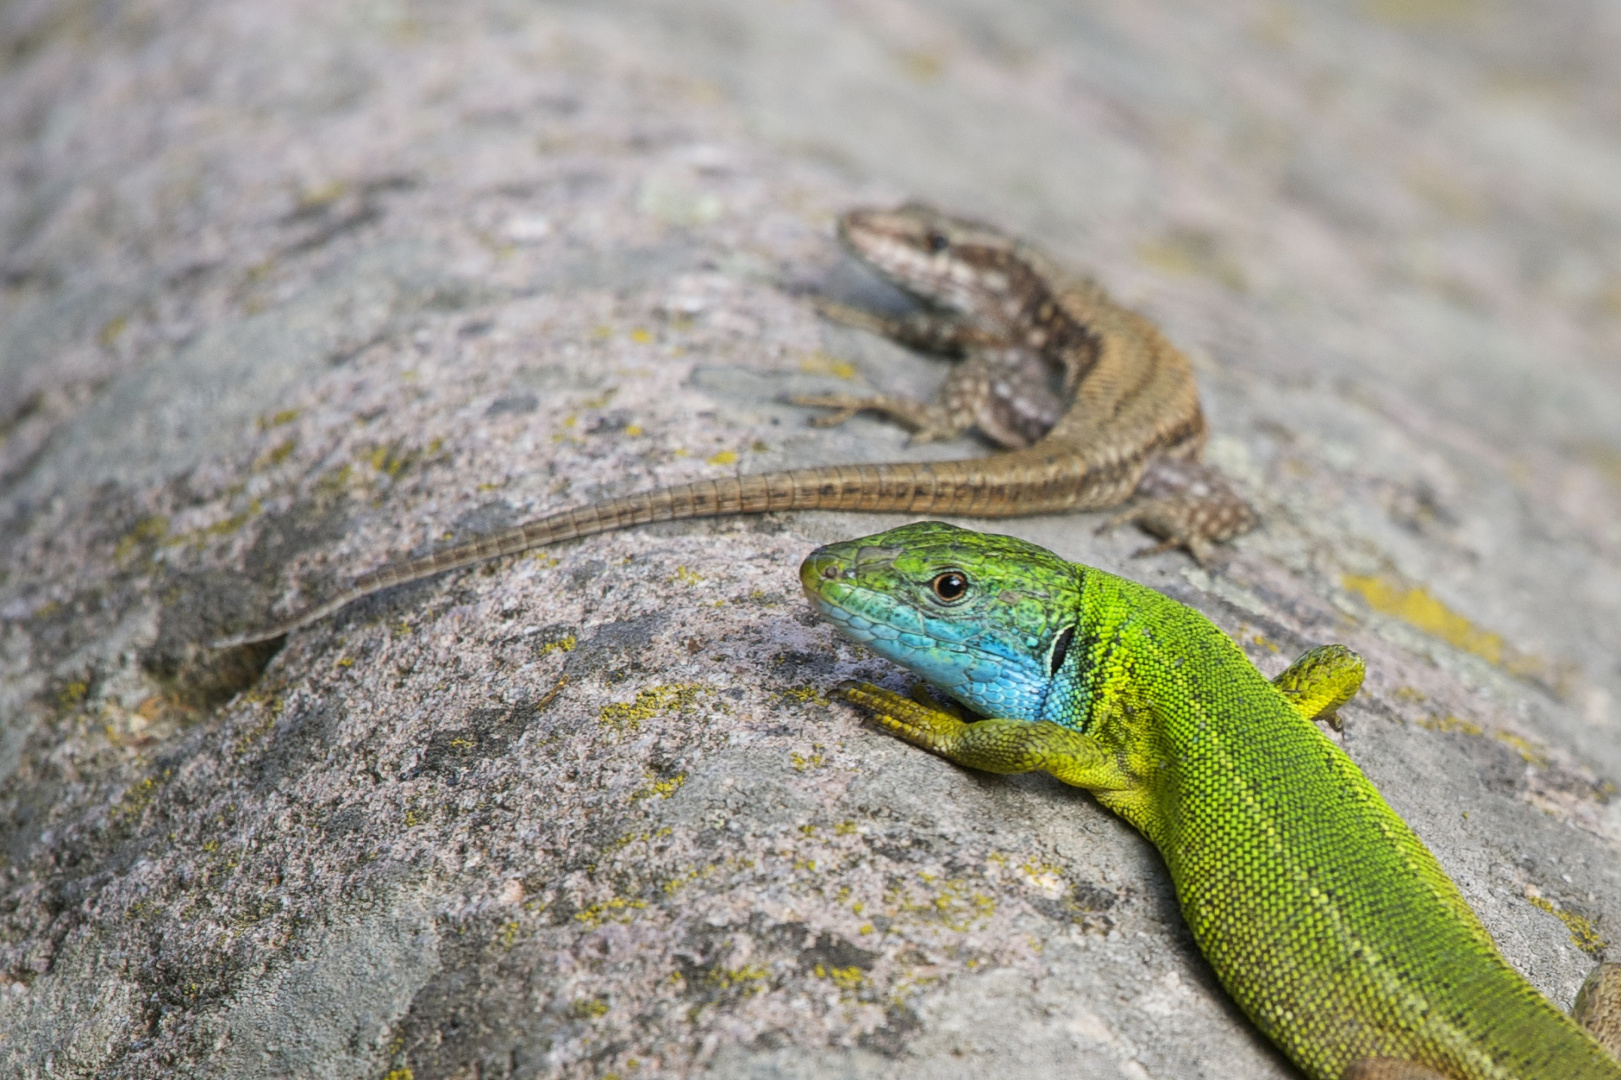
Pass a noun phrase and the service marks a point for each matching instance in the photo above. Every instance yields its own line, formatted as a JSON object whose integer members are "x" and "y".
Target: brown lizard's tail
{"x": 1033, "y": 481}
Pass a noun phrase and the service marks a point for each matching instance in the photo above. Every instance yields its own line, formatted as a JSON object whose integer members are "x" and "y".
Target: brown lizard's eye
{"x": 950, "y": 586}
{"x": 937, "y": 240}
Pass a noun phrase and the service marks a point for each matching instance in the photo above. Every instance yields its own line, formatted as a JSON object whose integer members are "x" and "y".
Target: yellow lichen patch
{"x": 1417, "y": 607}
{"x": 654, "y": 701}
{"x": 137, "y": 797}
{"x": 633, "y": 430}
{"x": 659, "y": 789}
{"x": 324, "y": 194}
{"x": 390, "y": 460}
{"x": 277, "y": 454}
{"x": 1042, "y": 877}
{"x": 403, "y": 1073}
{"x": 72, "y": 695}
{"x": 1264, "y": 642}
{"x": 724, "y": 457}
{"x": 1455, "y": 725}
{"x": 849, "y": 979}
{"x": 589, "y": 1008}
{"x": 1451, "y": 725}
{"x": 685, "y": 576}
{"x": 820, "y": 363}
{"x": 230, "y": 524}
{"x": 951, "y": 902}
{"x": 1583, "y": 934}
{"x": 333, "y": 483}
{"x": 149, "y": 529}
{"x": 814, "y": 760}
{"x": 111, "y": 331}
{"x": 641, "y": 336}
{"x": 1414, "y": 605}
{"x": 277, "y": 419}
{"x": 614, "y": 909}
{"x": 804, "y": 695}
{"x": 1192, "y": 252}
{"x": 562, "y": 644}
{"x": 750, "y": 979}
{"x": 920, "y": 66}
{"x": 635, "y": 838}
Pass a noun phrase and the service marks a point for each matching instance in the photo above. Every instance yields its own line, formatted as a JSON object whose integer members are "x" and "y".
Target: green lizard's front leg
{"x": 1321, "y": 681}
{"x": 998, "y": 746}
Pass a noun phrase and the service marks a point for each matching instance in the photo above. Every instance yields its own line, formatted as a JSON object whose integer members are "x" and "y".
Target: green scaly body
{"x": 1321, "y": 912}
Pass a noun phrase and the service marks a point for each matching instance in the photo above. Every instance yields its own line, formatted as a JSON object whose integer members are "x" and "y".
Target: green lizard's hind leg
{"x": 999, "y": 746}
{"x": 1321, "y": 681}
{"x": 1598, "y": 1006}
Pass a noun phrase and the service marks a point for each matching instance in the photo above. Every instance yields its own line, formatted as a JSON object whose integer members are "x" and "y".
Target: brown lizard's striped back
{"x": 1135, "y": 399}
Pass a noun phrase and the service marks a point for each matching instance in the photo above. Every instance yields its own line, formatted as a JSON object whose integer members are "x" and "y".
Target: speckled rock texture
{"x": 290, "y": 288}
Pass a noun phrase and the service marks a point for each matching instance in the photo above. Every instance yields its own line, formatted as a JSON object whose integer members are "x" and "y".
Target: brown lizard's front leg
{"x": 1006, "y": 397}
{"x": 1005, "y": 392}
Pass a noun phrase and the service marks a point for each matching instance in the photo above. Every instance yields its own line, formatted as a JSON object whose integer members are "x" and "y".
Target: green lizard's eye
{"x": 950, "y": 586}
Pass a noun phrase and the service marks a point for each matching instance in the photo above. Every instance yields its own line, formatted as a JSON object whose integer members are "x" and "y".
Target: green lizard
{"x": 1321, "y": 912}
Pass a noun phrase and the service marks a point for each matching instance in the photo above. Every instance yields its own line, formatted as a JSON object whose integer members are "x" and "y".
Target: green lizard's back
{"x": 1321, "y": 911}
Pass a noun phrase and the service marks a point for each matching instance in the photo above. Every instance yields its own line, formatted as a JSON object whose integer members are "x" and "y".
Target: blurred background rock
{"x": 286, "y": 288}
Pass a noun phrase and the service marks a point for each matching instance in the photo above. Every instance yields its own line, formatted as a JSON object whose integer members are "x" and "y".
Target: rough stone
{"x": 289, "y": 289}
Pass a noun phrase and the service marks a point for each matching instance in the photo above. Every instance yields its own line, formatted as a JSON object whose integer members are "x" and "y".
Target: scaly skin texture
{"x": 1322, "y": 913}
{"x": 1099, "y": 403}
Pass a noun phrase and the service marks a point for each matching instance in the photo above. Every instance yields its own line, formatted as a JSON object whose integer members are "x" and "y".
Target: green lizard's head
{"x": 987, "y": 619}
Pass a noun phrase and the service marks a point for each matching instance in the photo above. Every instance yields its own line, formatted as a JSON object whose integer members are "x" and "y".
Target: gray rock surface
{"x": 289, "y": 288}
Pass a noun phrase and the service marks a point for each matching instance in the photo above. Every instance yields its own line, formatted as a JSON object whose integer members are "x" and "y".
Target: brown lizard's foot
{"x": 1598, "y": 1006}
{"x": 926, "y": 422}
{"x": 1186, "y": 505}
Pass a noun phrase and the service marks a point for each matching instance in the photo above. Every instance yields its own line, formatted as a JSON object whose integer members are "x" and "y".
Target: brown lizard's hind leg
{"x": 1321, "y": 681}
{"x": 1598, "y": 1006}
{"x": 1186, "y": 505}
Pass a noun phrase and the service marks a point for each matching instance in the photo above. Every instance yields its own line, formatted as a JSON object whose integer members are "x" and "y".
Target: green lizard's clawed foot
{"x": 992, "y": 745}
{"x": 1321, "y": 681}
{"x": 915, "y": 721}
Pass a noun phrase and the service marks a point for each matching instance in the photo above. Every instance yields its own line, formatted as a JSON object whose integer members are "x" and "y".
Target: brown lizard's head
{"x": 947, "y": 262}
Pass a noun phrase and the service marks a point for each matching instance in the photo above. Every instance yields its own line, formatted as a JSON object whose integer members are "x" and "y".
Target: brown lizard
{"x": 1030, "y": 338}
